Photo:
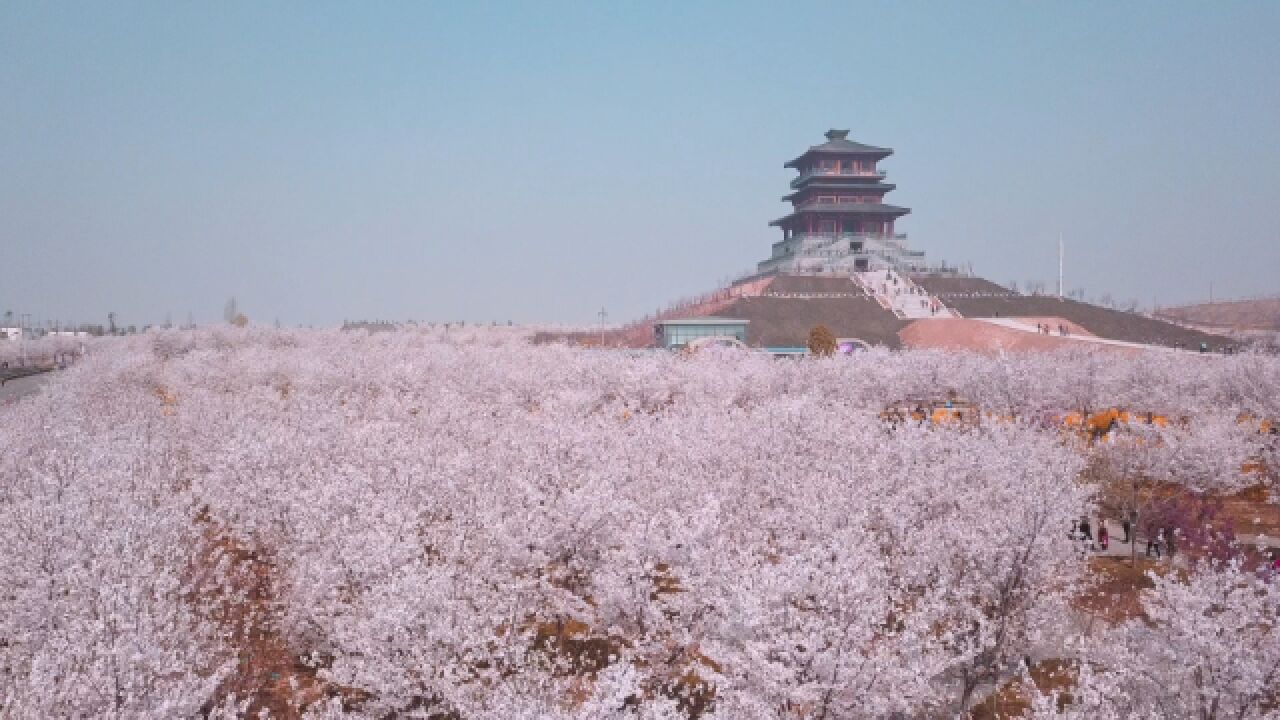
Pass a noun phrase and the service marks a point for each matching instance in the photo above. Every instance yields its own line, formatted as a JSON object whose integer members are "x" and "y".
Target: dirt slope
{"x": 978, "y": 336}
{"x": 1262, "y": 314}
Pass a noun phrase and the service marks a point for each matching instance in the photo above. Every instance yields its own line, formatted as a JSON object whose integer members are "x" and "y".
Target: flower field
{"x": 456, "y": 524}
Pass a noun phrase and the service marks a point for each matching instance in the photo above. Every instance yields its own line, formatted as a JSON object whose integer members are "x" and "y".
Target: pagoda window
{"x": 826, "y": 199}
{"x": 826, "y": 226}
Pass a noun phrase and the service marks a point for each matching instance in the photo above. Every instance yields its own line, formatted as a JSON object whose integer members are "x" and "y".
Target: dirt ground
{"x": 1115, "y": 587}
{"x": 1013, "y": 700}
{"x": 976, "y": 335}
{"x": 1251, "y": 514}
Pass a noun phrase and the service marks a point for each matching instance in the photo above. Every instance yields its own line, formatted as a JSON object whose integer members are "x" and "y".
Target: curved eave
{"x": 872, "y": 187}
{"x": 844, "y": 209}
{"x": 862, "y": 152}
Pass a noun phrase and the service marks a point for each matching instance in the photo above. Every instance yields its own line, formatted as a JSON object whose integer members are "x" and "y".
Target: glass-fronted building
{"x": 674, "y": 334}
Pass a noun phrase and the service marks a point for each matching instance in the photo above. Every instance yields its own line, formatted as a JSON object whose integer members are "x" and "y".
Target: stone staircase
{"x": 897, "y": 293}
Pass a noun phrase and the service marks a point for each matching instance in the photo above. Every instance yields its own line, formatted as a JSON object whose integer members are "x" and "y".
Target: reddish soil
{"x": 1247, "y": 506}
{"x": 269, "y": 674}
{"x": 1054, "y": 322}
{"x": 1013, "y": 699}
{"x": 979, "y": 336}
{"x": 1115, "y": 587}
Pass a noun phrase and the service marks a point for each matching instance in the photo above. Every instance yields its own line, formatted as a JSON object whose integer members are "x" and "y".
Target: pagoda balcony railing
{"x": 877, "y": 174}
{"x": 821, "y": 244}
{"x": 835, "y": 206}
{"x": 899, "y": 237}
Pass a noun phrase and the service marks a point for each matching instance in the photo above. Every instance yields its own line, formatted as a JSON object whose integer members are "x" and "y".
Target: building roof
{"x": 844, "y": 208}
{"x": 838, "y": 143}
{"x": 703, "y": 320}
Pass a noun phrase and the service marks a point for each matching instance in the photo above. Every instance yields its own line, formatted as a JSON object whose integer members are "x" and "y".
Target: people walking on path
{"x": 1104, "y": 538}
{"x": 1128, "y": 529}
{"x": 1154, "y": 543}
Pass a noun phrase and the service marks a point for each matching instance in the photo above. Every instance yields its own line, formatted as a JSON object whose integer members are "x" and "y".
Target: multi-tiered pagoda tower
{"x": 839, "y": 221}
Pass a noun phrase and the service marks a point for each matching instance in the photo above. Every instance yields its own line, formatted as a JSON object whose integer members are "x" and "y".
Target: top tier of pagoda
{"x": 840, "y": 191}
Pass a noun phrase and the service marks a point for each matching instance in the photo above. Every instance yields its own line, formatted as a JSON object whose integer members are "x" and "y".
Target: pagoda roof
{"x": 838, "y": 143}
{"x": 873, "y": 187}
{"x": 844, "y": 209}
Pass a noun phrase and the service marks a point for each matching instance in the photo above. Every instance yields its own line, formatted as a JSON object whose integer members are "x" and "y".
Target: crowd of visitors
{"x": 1159, "y": 544}
{"x": 1045, "y": 329}
{"x": 899, "y": 293}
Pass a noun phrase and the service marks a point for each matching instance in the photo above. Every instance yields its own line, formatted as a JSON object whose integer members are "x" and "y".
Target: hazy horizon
{"x": 534, "y": 163}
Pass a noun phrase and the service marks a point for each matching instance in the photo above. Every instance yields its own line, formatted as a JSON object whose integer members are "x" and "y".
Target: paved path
{"x": 1030, "y": 327}
{"x": 1117, "y": 548}
{"x": 18, "y": 388}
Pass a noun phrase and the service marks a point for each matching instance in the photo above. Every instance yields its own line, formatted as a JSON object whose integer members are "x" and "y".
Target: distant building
{"x": 839, "y": 220}
{"x": 677, "y": 333}
{"x": 10, "y": 333}
{"x": 375, "y": 326}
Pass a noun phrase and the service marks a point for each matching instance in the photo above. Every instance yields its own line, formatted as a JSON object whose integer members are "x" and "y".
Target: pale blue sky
{"x": 533, "y": 162}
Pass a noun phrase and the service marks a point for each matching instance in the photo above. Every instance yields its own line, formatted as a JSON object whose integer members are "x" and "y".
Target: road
{"x": 17, "y": 388}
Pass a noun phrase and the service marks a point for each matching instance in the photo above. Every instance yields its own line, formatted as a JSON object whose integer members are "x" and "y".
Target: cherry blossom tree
{"x": 1209, "y": 648}
{"x": 449, "y": 520}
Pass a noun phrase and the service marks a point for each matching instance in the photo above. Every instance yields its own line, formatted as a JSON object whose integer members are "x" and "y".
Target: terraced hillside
{"x": 975, "y": 298}
{"x": 1259, "y": 314}
{"x": 782, "y": 309}
{"x": 786, "y": 321}
{"x": 812, "y": 285}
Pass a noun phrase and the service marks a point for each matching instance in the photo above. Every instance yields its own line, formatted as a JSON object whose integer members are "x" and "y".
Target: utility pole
{"x": 23, "y": 321}
{"x": 602, "y": 314}
{"x": 1210, "y": 292}
{"x": 1059, "y": 266}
